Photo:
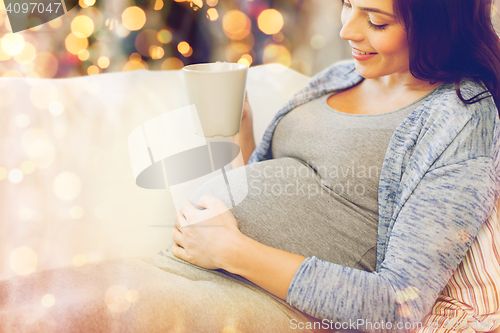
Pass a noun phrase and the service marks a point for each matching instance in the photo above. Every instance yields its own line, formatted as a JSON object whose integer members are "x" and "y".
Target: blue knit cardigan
{"x": 439, "y": 181}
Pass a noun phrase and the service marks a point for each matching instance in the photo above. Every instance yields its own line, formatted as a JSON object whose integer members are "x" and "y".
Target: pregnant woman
{"x": 370, "y": 185}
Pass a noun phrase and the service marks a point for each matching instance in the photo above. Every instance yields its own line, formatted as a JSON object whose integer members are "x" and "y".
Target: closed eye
{"x": 377, "y": 27}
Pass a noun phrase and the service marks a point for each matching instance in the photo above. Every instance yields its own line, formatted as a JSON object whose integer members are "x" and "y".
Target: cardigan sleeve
{"x": 431, "y": 234}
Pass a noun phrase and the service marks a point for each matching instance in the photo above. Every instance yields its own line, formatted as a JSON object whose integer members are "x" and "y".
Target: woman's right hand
{"x": 244, "y": 138}
{"x": 246, "y": 117}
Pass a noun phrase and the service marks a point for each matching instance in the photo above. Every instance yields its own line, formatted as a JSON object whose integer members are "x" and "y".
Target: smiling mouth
{"x": 361, "y": 52}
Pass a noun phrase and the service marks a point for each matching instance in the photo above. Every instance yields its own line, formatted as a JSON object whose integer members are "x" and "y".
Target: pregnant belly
{"x": 288, "y": 208}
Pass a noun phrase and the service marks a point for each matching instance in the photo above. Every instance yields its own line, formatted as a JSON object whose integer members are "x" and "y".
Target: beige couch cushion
{"x": 80, "y": 203}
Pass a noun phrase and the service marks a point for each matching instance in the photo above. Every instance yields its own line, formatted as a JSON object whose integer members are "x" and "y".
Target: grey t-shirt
{"x": 318, "y": 196}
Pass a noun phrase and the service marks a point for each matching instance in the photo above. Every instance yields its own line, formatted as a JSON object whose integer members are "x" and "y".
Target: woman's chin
{"x": 365, "y": 71}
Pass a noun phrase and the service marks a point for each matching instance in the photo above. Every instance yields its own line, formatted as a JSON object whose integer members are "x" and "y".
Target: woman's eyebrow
{"x": 375, "y": 10}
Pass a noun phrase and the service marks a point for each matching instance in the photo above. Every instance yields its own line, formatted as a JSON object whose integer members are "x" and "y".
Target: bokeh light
{"x": 103, "y": 62}
{"x": 236, "y": 24}
{"x": 15, "y": 176}
{"x": 27, "y": 54}
{"x": 12, "y": 44}
{"x": 82, "y": 26}
{"x": 244, "y": 45}
{"x": 48, "y": 301}
{"x": 135, "y": 63}
{"x": 4, "y": 56}
{"x": 183, "y": 47}
{"x": 76, "y": 212}
{"x": 36, "y": 145}
{"x": 83, "y": 54}
{"x": 75, "y": 44}
{"x": 115, "y": 298}
{"x": 93, "y": 70}
{"x": 28, "y": 167}
{"x": 172, "y": 63}
{"x": 196, "y": 4}
{"x": 158, "y": 5}
{"x": 3, "y": 173}
{"x": 55, "y": 23}
{"x": 212, "y": 14}
{"x": 270, "y": 21}
{"x": 132, "y": 296}
{"x": 317, "y": 41}
{"x": 56, "y": 108}
{"x": 13, "y": 73}
{"x": 164, "y": 36}
{"x": 112, "y": 23}
{"x": 144, "y": 40}
{"x": 155, "y": 29}
{"x": 79, "y": 260}
{"x": 276, "y": 53}
{"x": 23, "y": 260}
{"x": 156, "y": 52}
{"x": 133, "y": 18}
{"x": 67, "y": 186}
{"x": 246, "y": 59}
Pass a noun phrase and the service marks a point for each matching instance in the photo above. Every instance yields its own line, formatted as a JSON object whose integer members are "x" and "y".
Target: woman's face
{"x": 371, "y": 27}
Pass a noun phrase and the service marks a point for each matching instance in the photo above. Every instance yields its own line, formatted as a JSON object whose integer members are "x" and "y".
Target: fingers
{"x": 179, "y": 252}
{"x": 180, "y": 219}
{"x": 188, "y": 209}
{"x": 207, "y": 201}
{"x": 189, "y": 214}
{"x": 178, "y": 237}
{"x": 247, "y": 103}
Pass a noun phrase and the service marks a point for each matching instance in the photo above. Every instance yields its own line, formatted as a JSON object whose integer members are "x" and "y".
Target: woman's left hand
{"x": 205, "y": 237}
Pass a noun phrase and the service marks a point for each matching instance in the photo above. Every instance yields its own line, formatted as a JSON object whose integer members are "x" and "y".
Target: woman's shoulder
{"x": 462, "y": 130}
{"x": 446, "y": 100}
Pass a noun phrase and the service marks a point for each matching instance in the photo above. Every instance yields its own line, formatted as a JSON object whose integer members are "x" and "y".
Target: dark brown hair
{"x": 453, "y": 39}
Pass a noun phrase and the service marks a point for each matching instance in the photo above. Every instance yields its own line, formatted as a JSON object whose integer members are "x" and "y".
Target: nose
{"x": 351, "y": 29}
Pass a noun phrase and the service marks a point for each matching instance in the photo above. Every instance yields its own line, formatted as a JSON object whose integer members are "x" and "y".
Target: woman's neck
{"x": 400, "y": 83}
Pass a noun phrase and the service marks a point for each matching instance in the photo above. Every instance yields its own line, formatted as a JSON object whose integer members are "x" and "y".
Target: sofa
{"x": 68, "y": 197}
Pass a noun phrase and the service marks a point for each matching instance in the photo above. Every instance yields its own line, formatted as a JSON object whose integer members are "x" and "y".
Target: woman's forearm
{"x": 269, "y": 268}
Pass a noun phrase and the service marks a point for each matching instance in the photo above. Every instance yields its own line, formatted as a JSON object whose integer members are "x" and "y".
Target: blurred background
{"x": 101, "y": 36}
{"x": 123, "y": 35}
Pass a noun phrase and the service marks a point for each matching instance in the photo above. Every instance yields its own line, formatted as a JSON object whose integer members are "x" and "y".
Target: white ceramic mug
{"x": 218, "y": 92}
